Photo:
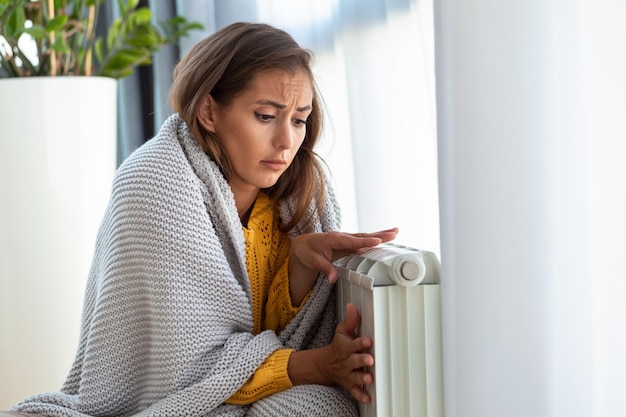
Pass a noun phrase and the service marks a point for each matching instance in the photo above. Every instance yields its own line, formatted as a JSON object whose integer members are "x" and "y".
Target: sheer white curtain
{"x": 532, "y": 128}
{"x": 375, "y": 69}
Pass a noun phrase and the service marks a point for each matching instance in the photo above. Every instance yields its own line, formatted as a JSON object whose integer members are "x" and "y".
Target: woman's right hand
{"x": 342, "y": 362}
{"x": 312, "y": 253}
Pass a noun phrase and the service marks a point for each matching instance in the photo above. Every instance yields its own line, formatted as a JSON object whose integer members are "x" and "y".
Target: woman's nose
{"x": 285, "y": 136}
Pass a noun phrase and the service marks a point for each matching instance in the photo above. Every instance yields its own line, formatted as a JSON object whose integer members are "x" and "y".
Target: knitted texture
{"x": 167, "y": 317}
{"x": 267, "y": 256}
{"x": 269, "y": 378}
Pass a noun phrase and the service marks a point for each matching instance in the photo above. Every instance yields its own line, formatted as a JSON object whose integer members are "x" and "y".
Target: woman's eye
{"x": 264, "y": 117}
{"x": 299, "y": 122}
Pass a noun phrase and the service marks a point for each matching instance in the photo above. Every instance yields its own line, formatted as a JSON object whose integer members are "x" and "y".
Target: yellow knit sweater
{"x": 267, "y": 259}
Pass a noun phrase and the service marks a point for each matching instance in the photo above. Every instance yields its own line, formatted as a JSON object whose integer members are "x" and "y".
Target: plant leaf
{"x": 125, "y": 58}
{"x": 132, "y": 4}
{"x": 59, "y": 46}
{"x": 176, "y": 20}
{"x": 36, "y": 31}
{"x": 57, "y": 23}
{"x": 122, "y": 7}
{"x": 98, "y": 50}
{"x": 140, "y": 17}
{"x": 15, "y": 22}
{"x": 113, "y": 33}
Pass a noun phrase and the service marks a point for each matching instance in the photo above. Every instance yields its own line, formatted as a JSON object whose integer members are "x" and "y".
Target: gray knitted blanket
{"x": 167, "y": 318}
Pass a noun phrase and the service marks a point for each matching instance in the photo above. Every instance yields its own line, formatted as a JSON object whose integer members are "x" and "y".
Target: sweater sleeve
{"x": 270, "y": 377}
{"x": 279, "y": 310}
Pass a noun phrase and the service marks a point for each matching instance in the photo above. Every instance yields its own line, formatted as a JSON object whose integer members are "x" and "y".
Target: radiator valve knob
{"x": 410, "y": 271}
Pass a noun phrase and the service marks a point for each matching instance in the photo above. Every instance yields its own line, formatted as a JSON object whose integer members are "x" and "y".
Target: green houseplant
{"x": 65, "y": 41}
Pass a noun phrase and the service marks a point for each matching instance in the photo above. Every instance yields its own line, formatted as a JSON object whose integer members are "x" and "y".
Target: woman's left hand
{"x": 312, "y": 253}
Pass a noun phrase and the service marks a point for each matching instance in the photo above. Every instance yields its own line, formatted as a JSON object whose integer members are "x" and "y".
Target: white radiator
{"x": 396, "y": 290}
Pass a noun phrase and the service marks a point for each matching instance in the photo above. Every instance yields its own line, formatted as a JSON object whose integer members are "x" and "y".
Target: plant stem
{"x": 8, "y": 65}
{"x": 90, "y": 33}
{"x": 53, "y": 55}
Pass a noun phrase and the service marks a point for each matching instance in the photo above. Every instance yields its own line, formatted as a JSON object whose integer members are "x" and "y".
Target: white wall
{"x": 531, "y": 107}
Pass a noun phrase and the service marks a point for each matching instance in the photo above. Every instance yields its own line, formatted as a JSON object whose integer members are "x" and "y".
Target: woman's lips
{"x": 275, "y": 164}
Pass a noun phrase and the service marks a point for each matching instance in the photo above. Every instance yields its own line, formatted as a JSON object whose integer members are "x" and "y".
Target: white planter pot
{"x": 57, "y": 160}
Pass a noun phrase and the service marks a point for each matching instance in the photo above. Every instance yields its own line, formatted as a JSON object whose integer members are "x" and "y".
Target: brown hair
{"x": 222, "y": 66}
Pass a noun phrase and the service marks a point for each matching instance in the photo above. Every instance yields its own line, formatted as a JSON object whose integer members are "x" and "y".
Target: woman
{"x": 205, "y": 295}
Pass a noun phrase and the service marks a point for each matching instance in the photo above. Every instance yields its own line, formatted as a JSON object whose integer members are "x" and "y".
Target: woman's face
{"x": 262, "y": 128}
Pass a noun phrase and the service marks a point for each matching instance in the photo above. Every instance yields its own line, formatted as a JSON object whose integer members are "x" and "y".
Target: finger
{"x": 332, "y": 274}
{"x": 349, "y": 324}
{"x": 384, "y": 236}
{"x": 326, "y": 267}
{"x": 386, "y": 233}
{"x": 345, "y": 245}
{"x": 361, "y": 378}
{"x": 361, "y": 344}
{"x": 359, "y": 361}
{"x": 359, "y": 394}
{"x": 349, "y": 241}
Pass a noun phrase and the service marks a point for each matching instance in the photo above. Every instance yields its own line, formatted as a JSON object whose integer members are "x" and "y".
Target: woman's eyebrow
{"x": 283, "y": 106}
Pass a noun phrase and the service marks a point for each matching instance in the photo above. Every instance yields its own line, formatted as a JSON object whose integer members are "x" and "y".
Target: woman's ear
{"x": 207, "y": 114}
